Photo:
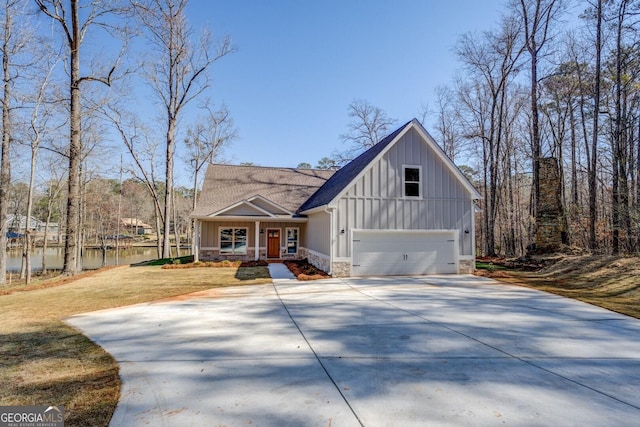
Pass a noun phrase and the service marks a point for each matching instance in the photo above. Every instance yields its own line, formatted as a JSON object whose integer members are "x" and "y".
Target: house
{"x": 18, "y": 223}
{"x": 136, "y": 227}
{"x": 401, "y": 207}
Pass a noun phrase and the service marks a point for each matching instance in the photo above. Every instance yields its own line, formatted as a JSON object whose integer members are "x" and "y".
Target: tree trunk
{"x": 75, "y": 151}
{"x": 535, "y": 129}
{"x": 166, "y": 237}
{"x": 176, "y": 229}
{"x": 194, "y": 204}
{"x": 28, "y": 237}
{"x": 574, "y": 166}
{"x": 158, "y": 231}
{"x": 5, "y": 164}
{"x": 594, "y": 141}
{"x": 44, "y": 243}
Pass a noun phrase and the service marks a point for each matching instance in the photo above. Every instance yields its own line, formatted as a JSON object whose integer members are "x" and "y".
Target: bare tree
{"x": 74, "y": 26}
{"x": 447, "y": 122}
{"x": 102, "y": 217}
{"x": 538, "y": 17}
{"x": 177, "y": 71}
{"x": 592, "y": 171}
{"x": 368, "y": 125}
{"x": 142, "y": 149}
{"x": 205, "y": 140}
{"x": 37, "y": 125}
{"x": 13, "y": 41}
{"x": 53, "y": 204}
{"x": 624, "y": 22}
{"x": 492, "y": 61}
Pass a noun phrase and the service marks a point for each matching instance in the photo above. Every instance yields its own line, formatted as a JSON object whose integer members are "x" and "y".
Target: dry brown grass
{"x": 606, "y": 281}
{"x": 44, "y": 361}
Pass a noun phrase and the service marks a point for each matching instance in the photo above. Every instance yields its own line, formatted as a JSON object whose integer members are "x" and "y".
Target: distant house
{"x": 401, "y": 207}
{"x": 19, "y": 223}
{"x": 136, "y": 227}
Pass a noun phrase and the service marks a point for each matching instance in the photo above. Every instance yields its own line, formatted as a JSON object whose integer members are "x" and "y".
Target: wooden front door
{"x": 273, "y": 243}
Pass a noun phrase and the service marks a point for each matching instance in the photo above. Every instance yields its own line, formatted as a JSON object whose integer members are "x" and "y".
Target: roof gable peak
{"x": 344, "y": 177}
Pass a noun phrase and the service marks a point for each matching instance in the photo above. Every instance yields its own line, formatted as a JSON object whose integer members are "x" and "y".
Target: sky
{"x": 299, "y": 64}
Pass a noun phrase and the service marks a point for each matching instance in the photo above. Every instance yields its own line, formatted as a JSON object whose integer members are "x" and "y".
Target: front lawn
{"x": 606, "y": 281}
{"x": 43, "y": 361}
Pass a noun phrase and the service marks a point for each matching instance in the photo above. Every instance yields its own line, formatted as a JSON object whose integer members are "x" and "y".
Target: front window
{"x": 411, "y": 181}
{"x": 233, "y": 240}
{"x": 292, "y": 240}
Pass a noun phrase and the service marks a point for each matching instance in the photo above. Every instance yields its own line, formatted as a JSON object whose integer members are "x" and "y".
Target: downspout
{"x": 332, "y": 237}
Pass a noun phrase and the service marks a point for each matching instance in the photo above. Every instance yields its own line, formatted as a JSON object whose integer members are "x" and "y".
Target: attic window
{"x": 411, "y": 176}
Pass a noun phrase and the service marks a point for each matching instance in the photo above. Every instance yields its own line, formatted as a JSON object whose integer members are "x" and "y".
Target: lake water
{"x": 91, "y": 259}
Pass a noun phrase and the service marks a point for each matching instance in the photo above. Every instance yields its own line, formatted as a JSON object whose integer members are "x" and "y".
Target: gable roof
{"x": 275, "y": 191}
{"x": 346, "y": 174}
{"x": 342, "y": 179}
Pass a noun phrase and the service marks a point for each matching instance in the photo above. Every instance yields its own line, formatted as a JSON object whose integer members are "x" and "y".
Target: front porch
{"x": 251, "y": 241}
{"x": 215, "y": 255}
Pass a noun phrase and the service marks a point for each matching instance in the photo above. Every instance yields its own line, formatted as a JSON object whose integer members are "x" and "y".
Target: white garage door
{"x": 383, "y": 252}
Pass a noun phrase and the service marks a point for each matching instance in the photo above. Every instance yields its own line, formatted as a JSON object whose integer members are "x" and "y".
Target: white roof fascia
{"x": 250, "y": 218}
{"x": 243, "y": 202}
{"x": 447, "y": 161}
{"x": 267, "y": 201}
{"x": 314, "y": 210}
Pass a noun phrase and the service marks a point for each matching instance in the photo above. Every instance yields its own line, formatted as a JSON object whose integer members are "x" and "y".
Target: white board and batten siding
{"x": 375, "y": 201}
{"x": 402, "y": 252}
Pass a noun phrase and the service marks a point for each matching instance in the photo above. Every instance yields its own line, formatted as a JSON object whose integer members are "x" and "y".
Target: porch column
{"x": 257, "y": 233}
{"x": 196, "y": 240}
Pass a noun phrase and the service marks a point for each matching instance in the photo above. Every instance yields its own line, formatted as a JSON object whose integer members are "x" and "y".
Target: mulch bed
{"x": 305, "y": 271}
{"x": 260, "y": 263}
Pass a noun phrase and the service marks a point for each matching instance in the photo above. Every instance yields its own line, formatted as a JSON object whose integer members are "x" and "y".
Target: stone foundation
{"x": 215, "y": 255}
{"x": 466, "y": 266}
{"x": 341, "y": 269}
{"x": 318, "y": 261}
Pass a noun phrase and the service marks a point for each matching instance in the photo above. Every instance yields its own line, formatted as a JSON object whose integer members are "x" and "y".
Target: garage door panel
{"x": 404, "y": 253}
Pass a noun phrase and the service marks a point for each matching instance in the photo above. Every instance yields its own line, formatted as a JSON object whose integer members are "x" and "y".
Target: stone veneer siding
{"x": 215, "y": 255}
{"x": 466, "y": 266}
{"x": 341, "y": 269}
{"x": 318, "y": 261}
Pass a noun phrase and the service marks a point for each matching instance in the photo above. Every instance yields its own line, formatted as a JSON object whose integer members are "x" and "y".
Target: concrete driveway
{"x": 401, "y": 351}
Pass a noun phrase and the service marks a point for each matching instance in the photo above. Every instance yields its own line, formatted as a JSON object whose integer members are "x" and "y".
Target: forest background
{"x": 551, "y": 79}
